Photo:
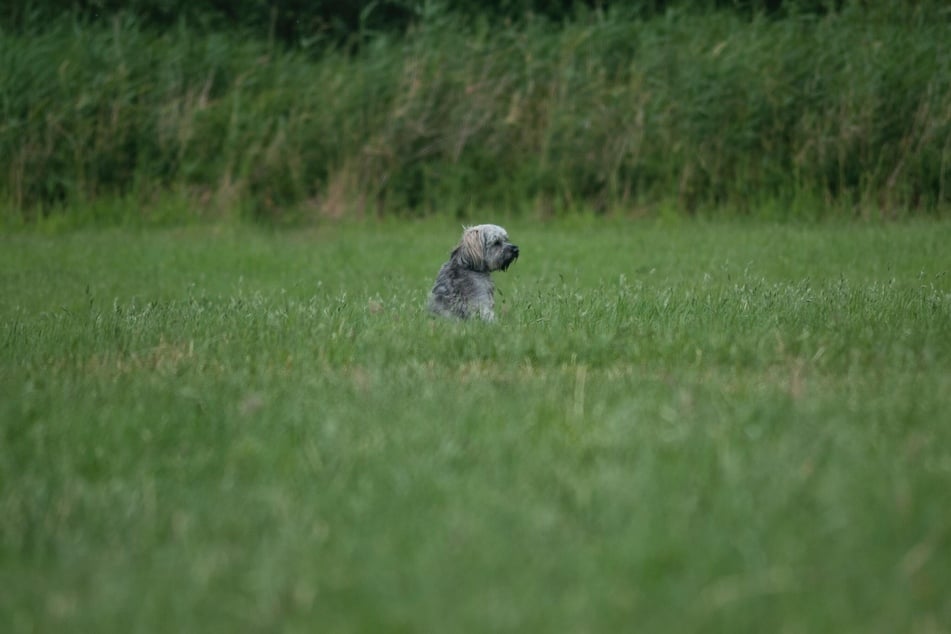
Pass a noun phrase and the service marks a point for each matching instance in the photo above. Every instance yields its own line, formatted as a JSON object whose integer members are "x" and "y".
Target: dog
{"x": 464, "y": 286}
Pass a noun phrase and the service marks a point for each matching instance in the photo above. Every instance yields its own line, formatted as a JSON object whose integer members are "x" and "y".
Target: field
{"x": 676, "y": 426}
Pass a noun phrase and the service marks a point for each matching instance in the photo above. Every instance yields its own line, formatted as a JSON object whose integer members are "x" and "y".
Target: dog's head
{"x": 485, "y": 248}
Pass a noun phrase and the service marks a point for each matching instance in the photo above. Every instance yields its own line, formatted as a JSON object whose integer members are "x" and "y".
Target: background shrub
{"x": 443, "y": 110}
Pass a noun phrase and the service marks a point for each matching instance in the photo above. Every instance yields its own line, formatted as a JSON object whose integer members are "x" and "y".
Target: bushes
{"x": 851, "y": 109}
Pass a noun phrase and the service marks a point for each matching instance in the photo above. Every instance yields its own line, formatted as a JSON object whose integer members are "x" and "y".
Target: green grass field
{"x": 674, "y": 427}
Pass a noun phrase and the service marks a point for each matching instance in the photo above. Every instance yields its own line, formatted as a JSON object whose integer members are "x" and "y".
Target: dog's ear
{"x": 470, "y": 251}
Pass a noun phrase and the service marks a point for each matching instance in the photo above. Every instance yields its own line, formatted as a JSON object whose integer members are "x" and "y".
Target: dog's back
{"x": 462, "y": 293}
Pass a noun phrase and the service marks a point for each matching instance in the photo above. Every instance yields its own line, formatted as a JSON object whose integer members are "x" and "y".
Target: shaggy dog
{"x": 464, "y": 287}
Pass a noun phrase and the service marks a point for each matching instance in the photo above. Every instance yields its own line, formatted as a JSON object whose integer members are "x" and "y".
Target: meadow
{"x": 675, "y": 426}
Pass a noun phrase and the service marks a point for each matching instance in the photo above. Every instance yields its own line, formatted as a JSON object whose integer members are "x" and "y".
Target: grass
{"x": 675, "y": 427}
{"x": 849, "y": 113}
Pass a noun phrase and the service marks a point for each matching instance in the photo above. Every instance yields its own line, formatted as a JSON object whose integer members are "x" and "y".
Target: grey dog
{"x": 464, "y": 286}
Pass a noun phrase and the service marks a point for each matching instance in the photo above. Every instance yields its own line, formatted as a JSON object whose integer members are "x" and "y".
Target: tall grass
{"x": 848, "y": 112}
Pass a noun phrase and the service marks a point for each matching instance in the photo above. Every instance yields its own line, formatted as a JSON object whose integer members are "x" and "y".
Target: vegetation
{"x": 687, "y": 427}
{"x": 303, "y": 22}
{"x": 684, "y": 425}
{"x": 820, "y": 112}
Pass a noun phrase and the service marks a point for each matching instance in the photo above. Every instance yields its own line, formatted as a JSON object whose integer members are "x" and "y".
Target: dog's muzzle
{"x": 510, "y": 255}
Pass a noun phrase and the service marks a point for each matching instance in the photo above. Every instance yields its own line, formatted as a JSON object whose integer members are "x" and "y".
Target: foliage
{"x": 677, "y": 427}
{"x": 848, "y": 111}
{"x": 297, "y": 22}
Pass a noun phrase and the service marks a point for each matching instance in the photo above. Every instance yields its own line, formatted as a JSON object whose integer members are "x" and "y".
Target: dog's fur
{"x": 464, "y": 286}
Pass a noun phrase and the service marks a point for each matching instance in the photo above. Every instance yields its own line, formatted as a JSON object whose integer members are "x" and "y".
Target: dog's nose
{"x": 515, "y": 250}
